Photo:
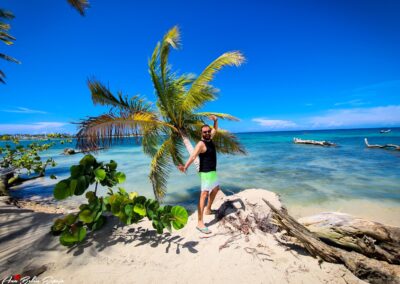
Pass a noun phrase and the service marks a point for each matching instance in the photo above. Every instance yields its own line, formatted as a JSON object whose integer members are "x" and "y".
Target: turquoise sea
{"x": 304, "y": 175}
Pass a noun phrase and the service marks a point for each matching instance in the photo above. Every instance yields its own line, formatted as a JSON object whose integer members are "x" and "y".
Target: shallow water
{"x": 304, "y": 175}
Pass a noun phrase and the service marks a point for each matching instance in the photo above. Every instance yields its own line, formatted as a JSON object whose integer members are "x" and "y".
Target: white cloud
{"x": 23, "y": 110}
{"x": 38, "y": 127}
{"x": 355, "y": 102}
{"x": 374, "y": 116}
{"x": 381, "y": 116}
{"x": 274, "y": 123}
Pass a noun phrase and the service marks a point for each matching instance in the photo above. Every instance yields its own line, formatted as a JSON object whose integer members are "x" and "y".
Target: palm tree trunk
{"x": 190, "y": 149}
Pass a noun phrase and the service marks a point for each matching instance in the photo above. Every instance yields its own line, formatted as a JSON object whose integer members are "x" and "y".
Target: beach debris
{"x": 257, "y": 254}
{"x": 368, "y": 269}
{"x": 370, "y": 238}
{"x": 386, "y": 146}
{"x": 313, "y": 142}
{"x": 230, "y": 240}
{"x": 240, "y": 218}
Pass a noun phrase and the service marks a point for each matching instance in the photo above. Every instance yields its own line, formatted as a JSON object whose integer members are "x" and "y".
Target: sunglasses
{"x": 207, "y": 132}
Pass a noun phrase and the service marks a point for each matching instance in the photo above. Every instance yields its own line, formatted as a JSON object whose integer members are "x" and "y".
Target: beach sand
{"x": 136, "y": 254}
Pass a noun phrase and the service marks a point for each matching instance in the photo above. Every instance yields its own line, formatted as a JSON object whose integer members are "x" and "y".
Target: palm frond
{"x": 6, "y": 14}
{"x": 79, "y": 5}
{"x": 217, "y": 114}
{"x": 4, "y": 27}
{"x": 150, "y": 140}
{"x": 160, "y": 168}
{"x": 195, "y": 97}
{"x": 171, "y": 39}
{"x": 9, "y": 58}
{"x": 175, "y": 149}
{"x": 2, "y": 77}
{"x": 106, "y": 129}
{"x": 6, "y": 38}
{"x": 227, "y": 143}
{"x": 168, "y": 85}
{"x": 102, "y": 95}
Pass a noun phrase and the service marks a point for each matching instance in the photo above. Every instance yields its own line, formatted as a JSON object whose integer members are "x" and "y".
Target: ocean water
{"x": 302, "y": 174}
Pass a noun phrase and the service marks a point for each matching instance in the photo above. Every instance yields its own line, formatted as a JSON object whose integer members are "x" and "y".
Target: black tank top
{"x": 208, "y": 159}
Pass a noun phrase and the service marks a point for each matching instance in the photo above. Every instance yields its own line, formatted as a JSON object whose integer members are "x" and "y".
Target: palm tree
{"x": 6, "y": 38}
{"x": 175, "y": 122}
{"x": 79, "y": 5}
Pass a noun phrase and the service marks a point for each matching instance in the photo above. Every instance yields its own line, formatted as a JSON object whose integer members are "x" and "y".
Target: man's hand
{"x": 182, "y": 168}
{"x": 213, "y": 117}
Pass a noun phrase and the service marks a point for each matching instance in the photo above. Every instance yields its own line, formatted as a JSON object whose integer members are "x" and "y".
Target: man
{"x": 205, "y": 149}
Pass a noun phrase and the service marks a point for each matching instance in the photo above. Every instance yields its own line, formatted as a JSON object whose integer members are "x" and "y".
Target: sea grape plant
{"x": 25, "y": 160}
{"x": 127, "y": 207}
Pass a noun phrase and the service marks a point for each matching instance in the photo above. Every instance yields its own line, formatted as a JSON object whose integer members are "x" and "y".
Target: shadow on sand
{"x": 113, "y": 233}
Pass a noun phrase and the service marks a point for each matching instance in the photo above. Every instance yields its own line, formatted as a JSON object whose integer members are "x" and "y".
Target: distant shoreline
{"x": 73, "y": 136}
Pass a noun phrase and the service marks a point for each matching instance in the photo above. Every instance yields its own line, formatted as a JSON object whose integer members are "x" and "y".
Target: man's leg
{"x": 211, "y": 200}
{"x": 200, "y": 208}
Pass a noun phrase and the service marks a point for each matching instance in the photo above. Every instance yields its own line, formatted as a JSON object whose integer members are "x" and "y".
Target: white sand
{"x": 136, "y": 254}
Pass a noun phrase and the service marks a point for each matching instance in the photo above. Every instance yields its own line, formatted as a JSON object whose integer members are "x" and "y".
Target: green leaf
{"x": 61, "y": 190}
{"x": 140, "y": 209}
{"x": 80, "y": 234}
{"x": 76, "y": 171}
{"x": 100, "y": 174}
{"x": 90, "y": 195}
{"x": 67, "y": 239}
{"x": 81, "y": 186}
{"x": 129, "y": 209}
{"x": 86, "y": 216}
{"x": 53, "y": 177}
{"x": 70, "y": 219}
{"x": 13, "y": 179}
{"x": 179, "y": 217}
{"x": 99, "y": 223}
{"x": 112, "y": 165}
{"x": 120, "y": 176}
{"x": 58, "y": 226}
{"x": 115, "y": 207}
{"x": 87, "y": 161}
{"x": 72, "y": 185}
{"x": 133, "y": 195}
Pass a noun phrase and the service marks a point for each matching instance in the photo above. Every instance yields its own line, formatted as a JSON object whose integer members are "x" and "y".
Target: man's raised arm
{"x": 215, "y": 128}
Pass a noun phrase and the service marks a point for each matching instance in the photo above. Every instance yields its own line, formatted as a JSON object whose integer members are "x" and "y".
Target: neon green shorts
{"x": 209, "y": 181}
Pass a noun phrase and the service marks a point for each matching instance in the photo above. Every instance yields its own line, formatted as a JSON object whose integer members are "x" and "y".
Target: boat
{"x": 385, "y": 131}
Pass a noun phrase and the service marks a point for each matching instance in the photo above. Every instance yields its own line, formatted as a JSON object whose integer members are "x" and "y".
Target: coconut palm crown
{"x": 169, "y": 127}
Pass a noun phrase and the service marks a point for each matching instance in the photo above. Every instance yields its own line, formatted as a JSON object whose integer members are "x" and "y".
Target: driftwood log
{"x": 370, "y": 238}
{"x": 370, "y": 270}
{"x": 313, "y": 142}
{"x": 386, "y": 146}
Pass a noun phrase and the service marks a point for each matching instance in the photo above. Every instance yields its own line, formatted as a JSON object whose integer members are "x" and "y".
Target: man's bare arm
{"x": 215, "y": 128}
{"x": 193, "y": 156}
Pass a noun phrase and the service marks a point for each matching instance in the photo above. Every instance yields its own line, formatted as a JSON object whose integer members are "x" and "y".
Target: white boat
{"x": 385, "y": 131}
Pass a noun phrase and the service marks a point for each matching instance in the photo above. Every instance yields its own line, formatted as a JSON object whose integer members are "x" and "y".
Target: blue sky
{"x": 309, "y": 64}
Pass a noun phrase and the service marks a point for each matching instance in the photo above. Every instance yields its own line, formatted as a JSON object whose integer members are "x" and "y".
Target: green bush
{"x": 128, "y": 207}
{"x": 25, "y": 160}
